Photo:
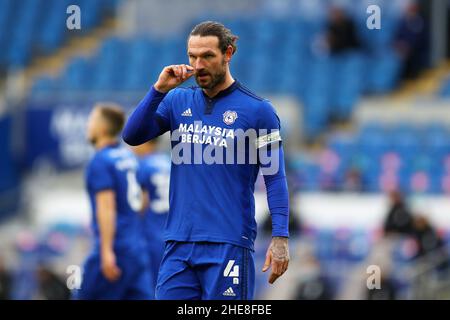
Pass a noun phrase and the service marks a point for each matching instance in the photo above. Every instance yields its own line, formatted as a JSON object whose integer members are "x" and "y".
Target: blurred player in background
{"x": 211, "y": 225}
{"x": 154, "y": 176}
{"x": 117, "y": 267}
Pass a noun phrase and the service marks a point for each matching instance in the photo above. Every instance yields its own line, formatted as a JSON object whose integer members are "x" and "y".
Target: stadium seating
{"x": 38, "y": 27}
{"x": 328, "y": 86}
{"x": 413, "y": 158}
{"x": 270, "y": 60}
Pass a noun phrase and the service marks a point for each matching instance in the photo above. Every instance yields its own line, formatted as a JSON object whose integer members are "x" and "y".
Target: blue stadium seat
{"x": 346, "y": 83}
{"x": 31, "y": 27}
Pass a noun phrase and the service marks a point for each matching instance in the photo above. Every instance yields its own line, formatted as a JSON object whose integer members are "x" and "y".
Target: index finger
{"x": 170, "y": 69}
{"x": 189, "y": 71}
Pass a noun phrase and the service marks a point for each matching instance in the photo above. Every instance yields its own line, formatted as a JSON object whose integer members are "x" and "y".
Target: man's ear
{"x": 229, "y": 53}
{"x": 104, "y": 127}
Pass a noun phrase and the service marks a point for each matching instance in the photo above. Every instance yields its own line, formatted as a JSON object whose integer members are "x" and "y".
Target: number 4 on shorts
{"x": 231, "y": 273}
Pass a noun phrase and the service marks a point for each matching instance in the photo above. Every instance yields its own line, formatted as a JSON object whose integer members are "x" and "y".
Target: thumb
{"x": 267, "y": 262}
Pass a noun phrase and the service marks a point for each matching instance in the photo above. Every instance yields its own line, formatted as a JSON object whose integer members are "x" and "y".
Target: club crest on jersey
{"x": 229, "y": 117}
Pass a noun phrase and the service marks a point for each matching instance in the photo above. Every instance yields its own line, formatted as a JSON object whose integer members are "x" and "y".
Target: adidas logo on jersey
{"x": 229, "y": 292}
{"x": 187, "y": 113}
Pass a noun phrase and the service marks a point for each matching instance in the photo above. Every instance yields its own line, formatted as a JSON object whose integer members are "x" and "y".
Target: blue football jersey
{"x": 211, "y": 186}
{"x": 154, "y": 176}
{"x": 114, "y": 168}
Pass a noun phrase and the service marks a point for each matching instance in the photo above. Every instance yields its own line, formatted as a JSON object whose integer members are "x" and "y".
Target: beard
{"x": 216, "y": 78}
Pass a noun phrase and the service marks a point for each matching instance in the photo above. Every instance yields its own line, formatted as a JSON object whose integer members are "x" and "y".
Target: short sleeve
{"x": 101, "y": 175}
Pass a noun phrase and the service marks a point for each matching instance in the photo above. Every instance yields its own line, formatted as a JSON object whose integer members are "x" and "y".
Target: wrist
{"x": 160, "y": 88}
{"x": 282, "y": 238}
{"x": 106, "y": 250}
{"x": 280, "y": 233}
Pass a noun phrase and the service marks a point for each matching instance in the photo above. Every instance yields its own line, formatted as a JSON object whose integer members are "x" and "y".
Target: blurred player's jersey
{"x": 133, "y": 283}
{"x": 214, "y": 202}
{"x": 154, "y": 176}
{"x": 114, "y": 168}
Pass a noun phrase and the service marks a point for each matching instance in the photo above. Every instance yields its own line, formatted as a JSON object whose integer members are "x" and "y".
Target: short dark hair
{"x": 214, "y": 28}
{"x": 114, "y": 116}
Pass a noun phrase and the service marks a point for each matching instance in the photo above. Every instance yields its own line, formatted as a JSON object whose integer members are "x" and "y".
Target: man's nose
{"x": 199, "y": 65}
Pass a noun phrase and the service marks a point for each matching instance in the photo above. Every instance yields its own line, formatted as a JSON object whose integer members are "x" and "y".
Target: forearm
{"x": 144, "y": 124}
{"x": 106, "y": 218}
{"x": 278, "y": 198}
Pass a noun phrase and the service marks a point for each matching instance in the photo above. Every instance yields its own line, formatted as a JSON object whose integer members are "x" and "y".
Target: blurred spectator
{"x": 387, "y": 291}
{"x": 5, "y": 282}
{"x": 411, "y": 42}
{"x": 399, "y": 219}
{"x": 353, "y": 180}
{"x": 429, "y": 241}
{"x": 51, "y": 286}
{"x": 341, "y": 33}
{"x": 314, "y": 285}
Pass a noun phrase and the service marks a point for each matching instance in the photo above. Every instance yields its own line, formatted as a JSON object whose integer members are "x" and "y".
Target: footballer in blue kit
{"x": 222, "y": 137}
{"x": 116, "y": 267}
{"x": 153, "y": 176}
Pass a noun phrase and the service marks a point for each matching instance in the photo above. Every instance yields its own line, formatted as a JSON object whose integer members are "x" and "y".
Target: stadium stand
{"x": 329, "y": 86}
{"x": 411, "y": 158}
{"x": 30, "y": 28}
